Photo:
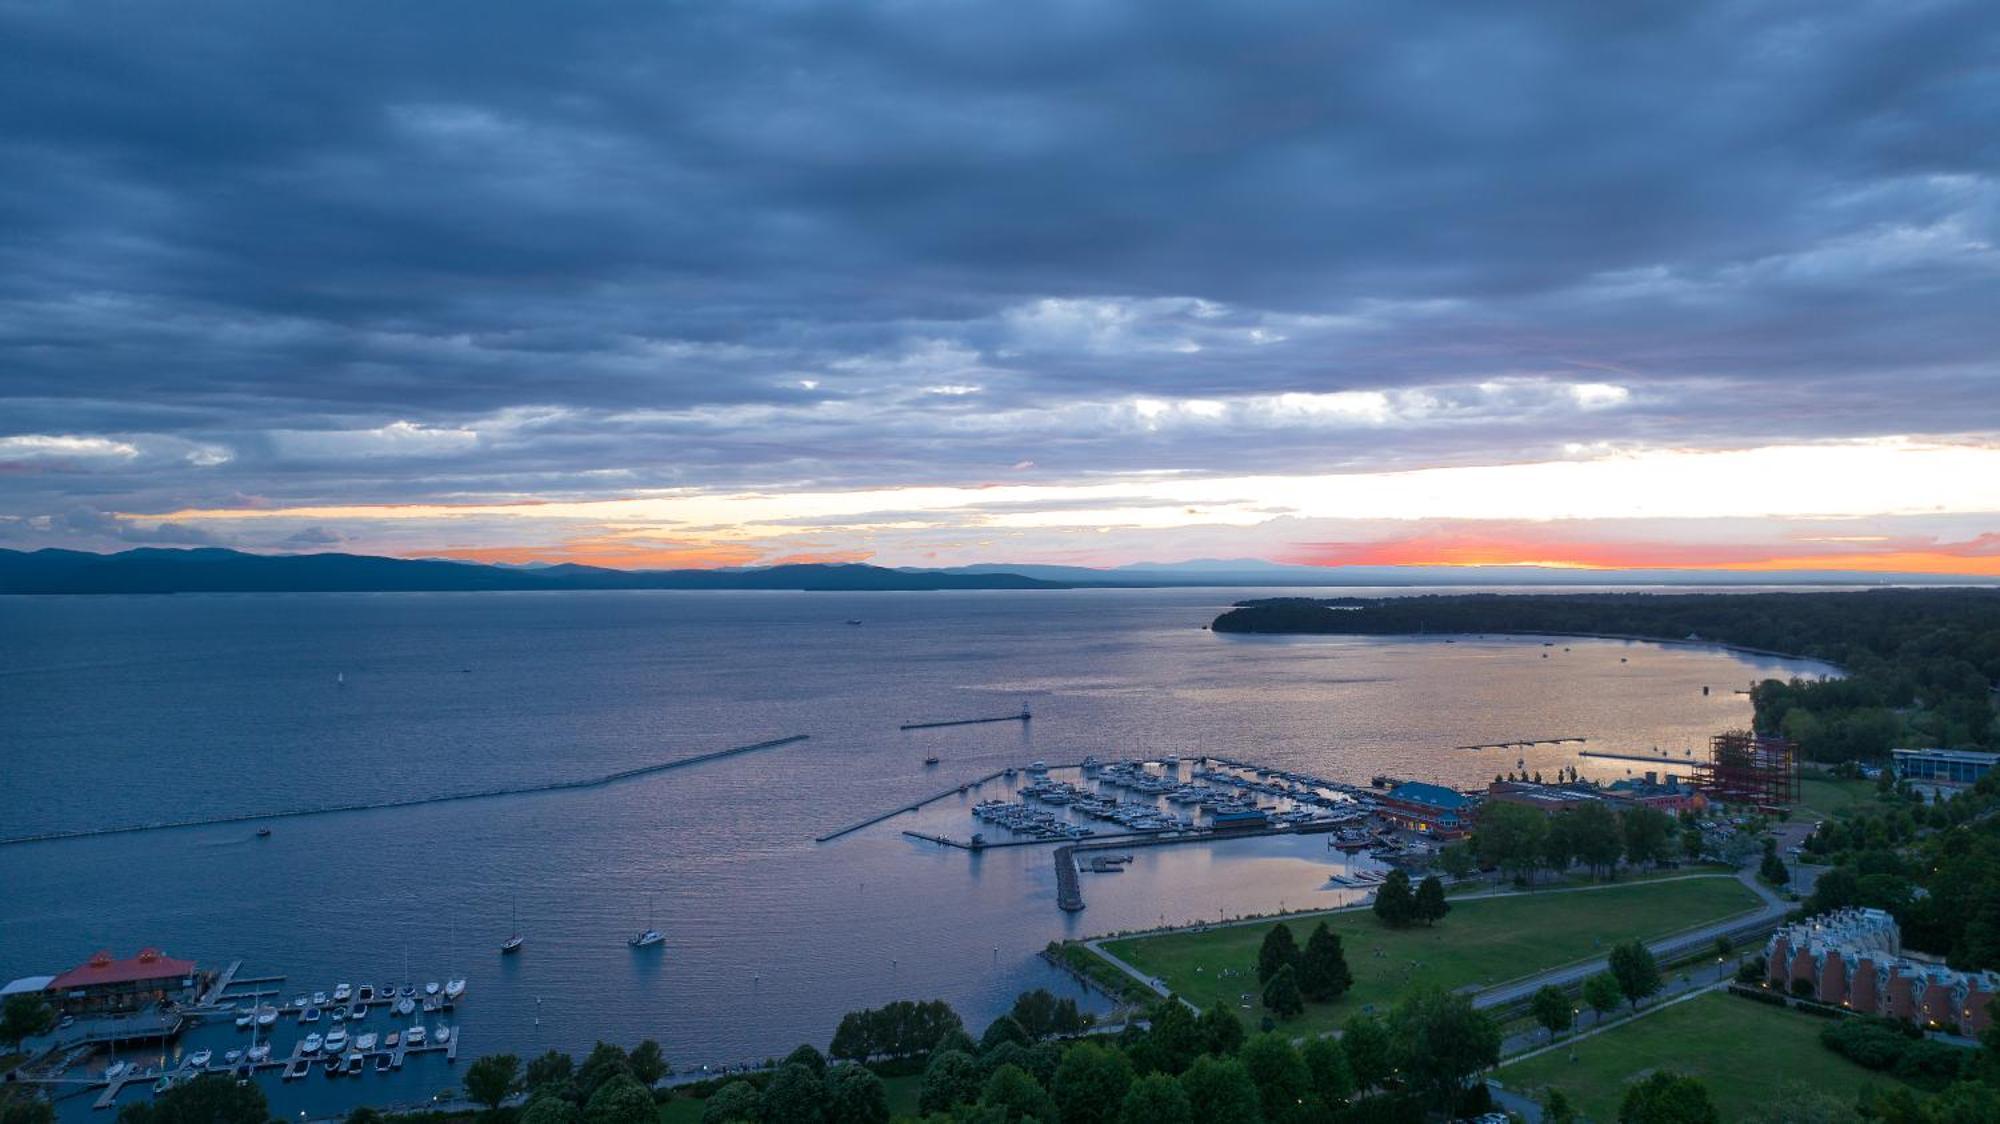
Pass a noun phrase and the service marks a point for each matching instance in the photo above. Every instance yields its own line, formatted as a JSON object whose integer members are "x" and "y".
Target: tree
{"x": 1277, "y": 1069}
{"x": 1637, "y": 973}
{"x": 1666, "y": 1097}
{"x": 1439, "y": 1041}
{"x": 1036, "y": 1012}
{"x": 1282, "y": 997}
{"x": 1649, "y": 836}
{"x": 209, "y": 1099}
{"x": 1017, "y": 1096}
{"x": 1602, "y": 993}
{"x": 552, "y": 1068}
{"x": 1003, "y": 1029}
{"x": 1772, "y": 869}
{"x": 1595, "y": 834}
{"x": 1365, "y": 1041}
{"x": 1220, "y": 1091}
{"x": 492, "y": 1079}
{"x": 1156, "y": 1099}
{"x": 1458, "y": 861}
{"x": 796, "y": 1095}
{"x": 738, "y": 1100}
{"x": 551, "y": 1109}
{"x": 1510, "y": 837}
{"x": 1326, "y": 1060}
{"x": 1556, "y": 1107}
{"x": 1221, "y": 1030}
{"x": 855, "y": 1095}
{"x": 620, "y": 1100}
{"x": 650, "y": 1066}
{"x": 1551, "y": 1008}
{"x": 952, "y": 1078}
{"x": 1176, "y": 1033}
{"x": 363, "y": 1114}
{"x": 1279, "y": 950}
{"x": 1323, "y": 972}
{"x": 1430, "y": 906}
{"x": 1692, "y": 842}
{"x": 850, "y": 1039}
{"x": 604, "y": 1062}
{"x": 24, "y": 1016}
{"x": 1395, "y": 905}
{"x": 1090, "y": 1084}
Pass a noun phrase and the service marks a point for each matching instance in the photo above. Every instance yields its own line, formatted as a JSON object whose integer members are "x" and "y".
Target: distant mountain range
{"x": 215, "y": 570}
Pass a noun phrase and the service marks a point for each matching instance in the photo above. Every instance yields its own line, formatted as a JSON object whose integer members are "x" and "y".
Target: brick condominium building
{"x": 1854, "y": 957}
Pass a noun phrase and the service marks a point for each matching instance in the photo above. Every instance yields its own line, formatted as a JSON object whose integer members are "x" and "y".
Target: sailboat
{"x": 514, "y": 943}
{"x": 651, "y": 936}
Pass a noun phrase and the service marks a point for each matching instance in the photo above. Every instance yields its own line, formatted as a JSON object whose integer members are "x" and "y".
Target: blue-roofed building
{"x": 1430, "y": 808}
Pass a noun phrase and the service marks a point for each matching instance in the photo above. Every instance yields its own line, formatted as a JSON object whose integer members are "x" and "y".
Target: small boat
{"x": 336, "y": 1041}
{"x": 854, "y": 620}
{"x": 416, "y": 1036}
{"x": 365, "y": 992}
{"x": 364, "y": 1042}
{"x": 267, "y": 1016}
{"x": 319, "y": 998}
{"x": 300, "y": 1001}
{"x": 263, "y": 833}
{"x": 259, "y": 1053}
{"x": 342, "y": 993}
{"x": 112, "y": 1071}
{"x": 232, "y": 1057}
{"x": 164, "y": 1084}
{"x": 309, "y": 1015}
{"x": 244, "y": 1020}
{"x": 357, "y": 1012}
{"x": 409, "y": 989}
{"x": 338, "y": 1014}
{"x": 394, "y": 1039}
{"x": 931, "y": 760}
{"x": 512, "y": 944}
{"x": 200, "y": 1058}
{"x": 382, "y": 1063}
{"x": 431, "y": 988}
{"x": 647, "y": 939}
{"x": 311, "y": 1045}
{"x": 406, "y": 1007}
{"x": 356, "y": 1062}
{"x": 454, "y": 989}
{"x": 335, "y": 1066}
{"x": 442, "y": 1036}
{"x": 387, "y": 991}
{"x": 433, "y": 1003}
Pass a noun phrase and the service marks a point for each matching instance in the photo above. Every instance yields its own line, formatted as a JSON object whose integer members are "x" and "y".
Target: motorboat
{"x": 309, "y": 1015}
{"x": 232, "y": 1057}
{"x": 406, "y": 1007}
{"x": 454, "y": 989}
{"x": 432, "y": 988}
{"x": 931, "y": 760}
{"x": 512, "y": 944}
{"x": 433, "y": 1003}
{"x": 319, "y": 998}
{"x": 336, "y": 1040}
{"x": 311, "y": 1045}
{"x": 115, "y": 1069}
{"x": 387, "y": 991}
{"x": 266, "y": 1016}
{"x": 263, "y": 833}
{"x": 409, "y": 989}
{"x": 647, "y": 939}
{"x": 364, "y": 1042}
{"x": 442, "y": 1036}
{"x": 259, "y": 1053}
{"x": 394, "y": 1039}
{"x": 244, "y": 1020}
{"x": 357, "y": 1012}
{"x": 416, "y": 1036}
{"x": 338, "y": 1014}
{"x": 365, "y": 992}
{"x": 200, "y": 1058}
{"x": 301, "y": 1001}
{"x": 342, "y": 993}
{"x": 382, "y": 1063}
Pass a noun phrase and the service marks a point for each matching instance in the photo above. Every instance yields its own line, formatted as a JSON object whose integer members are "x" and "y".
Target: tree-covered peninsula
{"x": 1920, "y": 664}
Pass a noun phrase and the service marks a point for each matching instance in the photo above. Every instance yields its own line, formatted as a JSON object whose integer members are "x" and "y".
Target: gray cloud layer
{"x": 369, "y": 252}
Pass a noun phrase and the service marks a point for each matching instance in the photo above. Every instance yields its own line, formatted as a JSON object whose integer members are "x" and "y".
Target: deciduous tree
{"x": 1323, "y": 972}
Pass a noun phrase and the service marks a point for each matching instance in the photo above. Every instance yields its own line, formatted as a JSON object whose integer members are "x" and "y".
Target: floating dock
{"x": 1069, "y": 895}
{"x": 1024, "y": 716}
{"x": 376, "y": 805}
{"x": 1525, "y": 743}
{"x": 1640, "y": 757}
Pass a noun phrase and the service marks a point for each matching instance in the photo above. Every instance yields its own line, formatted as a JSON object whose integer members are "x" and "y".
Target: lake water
{"x": 125, "y": 710}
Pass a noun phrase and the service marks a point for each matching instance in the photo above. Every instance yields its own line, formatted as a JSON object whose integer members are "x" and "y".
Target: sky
{"x": 1648, "y": 284}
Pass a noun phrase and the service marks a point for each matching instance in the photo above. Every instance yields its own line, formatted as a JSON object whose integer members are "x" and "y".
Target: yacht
{"x": 647, "y": 939}
{"x": 319, "y": 998}
{"x": 112, "y": 1071}
{"x": 442, "y": 1036}
{"x": 365, "y": 1042}
{"x": 266, "y": 1016}
{"x": 416, "y": 1036}
{"x": 232, "y": 1057}
{"x": 200, "y": 1058}
{"x": 258, "y": 1053}
{"x": 342, "y": 992}
{"x": 244, "y": 1020}
{"x": 431, "y": 988}
{"x": 338, "y": 1014}
{"x": 454, "y": 989}
{"x": 406, "y": 1007}
{"x": 336, "y": 1040}
{"x": 513, "y": 943}
{"x": 309, "y": 1015}
{"x": 387, "y": 991}
{"x": 409, "y": 989}
{"x": 311, "y": 1044}
{"x": 394, "y": 1039}
{"x": 300, "y": 1001}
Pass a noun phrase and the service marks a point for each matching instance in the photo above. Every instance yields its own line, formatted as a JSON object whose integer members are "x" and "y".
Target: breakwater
{"x": 871, "y": 821}
{"x": 410, "y": 802}
{"x": 1024, "y": 716}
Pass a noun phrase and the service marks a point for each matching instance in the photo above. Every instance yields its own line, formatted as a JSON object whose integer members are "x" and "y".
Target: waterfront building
{"x": 1956, "y": 767}
{"x": 1671, "y": 795}
{"x": 1429, "y": 808}
{"x": 1854, "y": 958}
{"x": 103, "y": 983}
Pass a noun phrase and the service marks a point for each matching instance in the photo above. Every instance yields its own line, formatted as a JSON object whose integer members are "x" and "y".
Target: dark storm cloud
{"x": 368, "y": 252}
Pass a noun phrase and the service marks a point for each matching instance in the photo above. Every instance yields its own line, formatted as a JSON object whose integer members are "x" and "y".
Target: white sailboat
{"x": 651, "y": 936}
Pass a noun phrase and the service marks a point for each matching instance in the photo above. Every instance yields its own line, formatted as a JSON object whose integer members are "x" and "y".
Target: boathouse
{"x": 1430, "y": 808}
{"x": 103, "y": 983}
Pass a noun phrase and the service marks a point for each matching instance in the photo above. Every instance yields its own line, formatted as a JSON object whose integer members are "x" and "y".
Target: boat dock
{"x": 1525, "y": 743}
{"x": 1024, "y": 716}
{"x": 871, "y": 821}
{"x": 1650, "y": 760}
{"x": 1069, "y": 894}
{"x": 415, "y": 801}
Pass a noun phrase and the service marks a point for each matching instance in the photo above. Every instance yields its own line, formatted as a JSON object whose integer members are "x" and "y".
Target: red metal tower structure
{"x": 1747, "y": 768}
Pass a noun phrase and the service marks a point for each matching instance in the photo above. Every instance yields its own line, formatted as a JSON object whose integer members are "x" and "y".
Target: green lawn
{"x": 1828, "y": 795}
{"x": 1746, "y": 1052}
{"x": 1485, "y": 941}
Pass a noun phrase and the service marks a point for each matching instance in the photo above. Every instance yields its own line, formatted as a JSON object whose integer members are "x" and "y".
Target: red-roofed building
{"x": 105, "y": 984}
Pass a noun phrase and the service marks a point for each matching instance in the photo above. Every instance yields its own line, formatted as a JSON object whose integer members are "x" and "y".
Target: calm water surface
{"x": 121, "y": 710}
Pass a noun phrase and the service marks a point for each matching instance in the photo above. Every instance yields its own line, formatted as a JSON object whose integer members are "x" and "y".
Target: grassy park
{"x": 1747, "y": 1053}
{"x": 1827, "y": 795}
{"x": 1483, "y": 941}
